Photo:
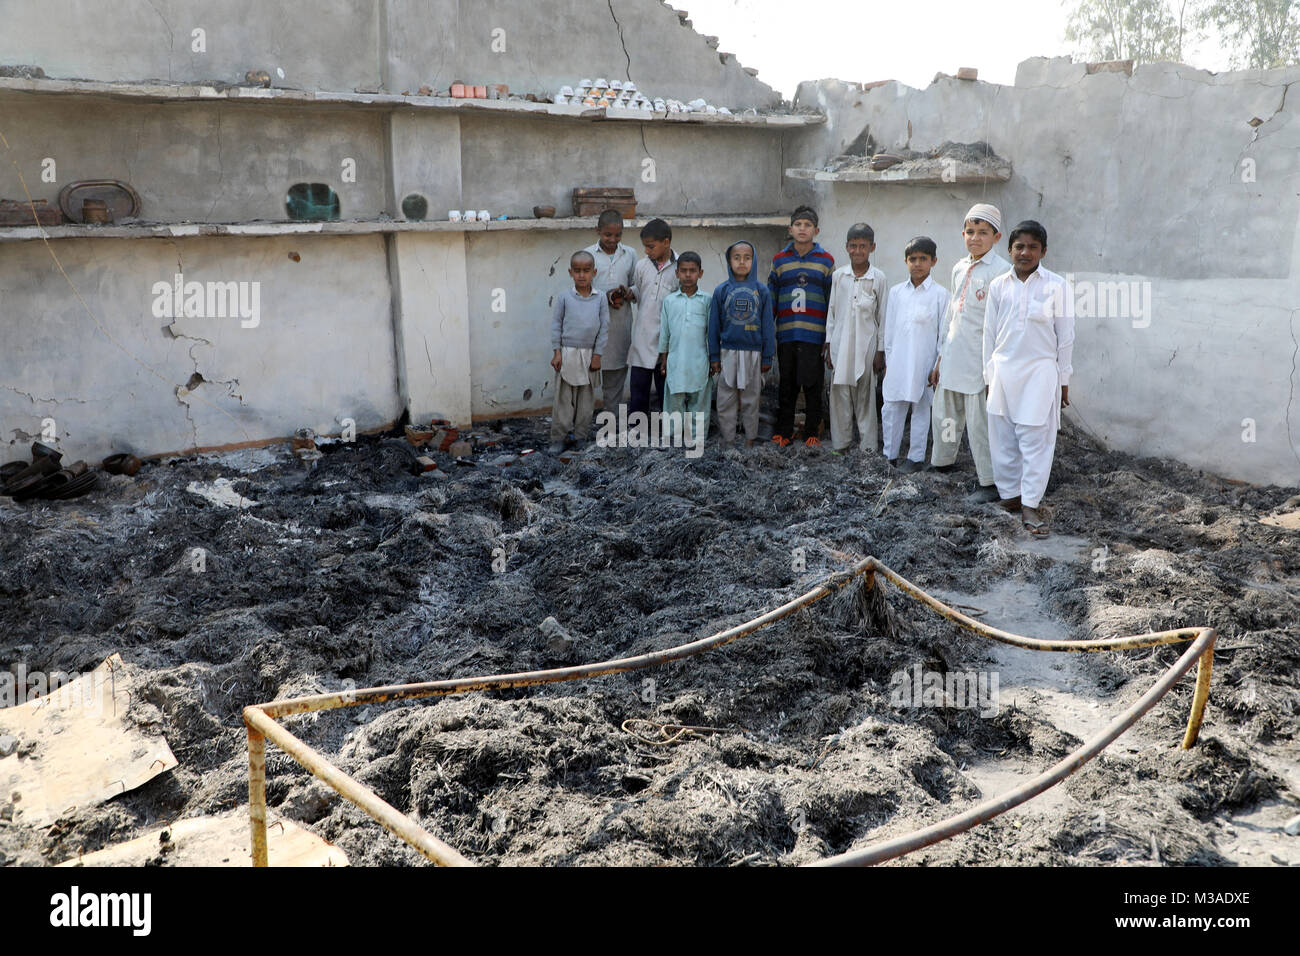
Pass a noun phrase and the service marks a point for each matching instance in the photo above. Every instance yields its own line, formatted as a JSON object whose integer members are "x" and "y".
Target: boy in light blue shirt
{"x": 684, "y": 355}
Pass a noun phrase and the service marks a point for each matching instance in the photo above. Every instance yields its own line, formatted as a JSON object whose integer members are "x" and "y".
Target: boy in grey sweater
{"x": 579, "y": 327}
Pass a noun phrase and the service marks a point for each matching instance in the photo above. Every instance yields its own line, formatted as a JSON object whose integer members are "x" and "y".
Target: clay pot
{"x": 544, "y": 212}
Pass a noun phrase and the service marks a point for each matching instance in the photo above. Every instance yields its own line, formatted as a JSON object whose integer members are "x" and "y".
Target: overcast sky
{"x": 864, "y": 40}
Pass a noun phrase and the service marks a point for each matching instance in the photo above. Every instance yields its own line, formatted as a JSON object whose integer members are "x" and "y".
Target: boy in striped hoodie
{"x": 800, "y": 285}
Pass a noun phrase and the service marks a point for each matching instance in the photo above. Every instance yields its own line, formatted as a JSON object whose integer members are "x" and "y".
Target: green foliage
{"x": 1261, "y": 33}
{"x": 1142, "y": 30}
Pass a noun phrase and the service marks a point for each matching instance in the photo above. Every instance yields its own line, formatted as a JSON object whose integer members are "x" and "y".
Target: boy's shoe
{"x": 556, "y": 447}
{"x": 812, "y": 443}
{"x": 780, "y": 441}
{"x": 840, "y": 452}
{"x": 908, "y": 467}
{"x": 985, "y": 494}
{"x": 1010, "y": 504}
{"x": 941, "y": 468}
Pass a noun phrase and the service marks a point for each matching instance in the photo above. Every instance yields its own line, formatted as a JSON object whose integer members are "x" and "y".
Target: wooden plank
{"x": 86, "y": 752}
{"x": 217, "y": 841}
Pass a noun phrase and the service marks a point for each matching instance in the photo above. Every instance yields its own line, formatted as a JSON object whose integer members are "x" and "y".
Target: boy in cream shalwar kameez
{"x": 579, "y": 328}
{"x": 615, "y": 268}
{"x": 1028, "y": 350}
{"x": 854, "y": 350}
{"x": 916, "y": 311}
{"x": 958, "y": 376}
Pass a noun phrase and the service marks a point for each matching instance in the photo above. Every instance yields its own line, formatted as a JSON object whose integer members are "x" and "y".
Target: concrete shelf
{"x": 361, "y": 227}
{"x": 926, "y": 172}
{"x": 304, "y": 99}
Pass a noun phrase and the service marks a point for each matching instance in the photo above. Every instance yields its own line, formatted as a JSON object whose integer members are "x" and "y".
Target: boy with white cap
{"x": 854, "y": 349}
{"x": 916, "y": 311}
{"x": 1028, "y": 348}
{"x": 958, "y": 375}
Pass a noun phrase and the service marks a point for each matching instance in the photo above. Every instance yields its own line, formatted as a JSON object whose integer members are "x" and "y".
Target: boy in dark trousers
{"x": 800, "y": 286}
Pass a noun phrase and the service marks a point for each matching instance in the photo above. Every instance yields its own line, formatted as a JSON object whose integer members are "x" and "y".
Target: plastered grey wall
{"x": 508, "y": 167}
{"x": 117, "y": 377}
{"x": 1158, "y": 180}
{"x": 344, "y": 45}
{"x": 326, "y": 46}
{"x": 202, "y": 162}
{"x": 510, "y": 350}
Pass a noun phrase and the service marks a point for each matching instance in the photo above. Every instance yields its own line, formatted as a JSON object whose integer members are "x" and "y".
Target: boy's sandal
{"x": 813, "y": 442}
{"x": 1033, "y": 522}
{"x": 780, "y": 441}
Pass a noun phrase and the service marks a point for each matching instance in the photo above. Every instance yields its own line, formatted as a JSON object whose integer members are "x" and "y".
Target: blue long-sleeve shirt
{"x": 741, "y": 318}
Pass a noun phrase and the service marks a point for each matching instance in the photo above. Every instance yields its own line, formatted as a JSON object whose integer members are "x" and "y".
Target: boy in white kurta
{"x": 654, "y": 277}
{"x": 615, "y": 265}
{"x": 915, "y": 315}
{"x": 1028, "y": 349}
{"x": 854, "y": 349}
{"x": 958, "y": 376}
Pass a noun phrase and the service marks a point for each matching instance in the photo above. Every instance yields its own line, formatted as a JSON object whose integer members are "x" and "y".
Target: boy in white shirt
{"x": 958, "y": 377}
{"x": 916, "y": 311}
{"x": 1028, "y": 349}
{"x": 615, "y": 265}
{"x": 854, "y": 349}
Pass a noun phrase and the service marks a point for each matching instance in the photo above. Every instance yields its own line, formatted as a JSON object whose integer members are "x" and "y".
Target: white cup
{"x": 454, "y": 215}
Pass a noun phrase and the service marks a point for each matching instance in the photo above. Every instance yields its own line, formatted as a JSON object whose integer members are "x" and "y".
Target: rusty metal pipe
{"x": 261, "y": 717}
{"x": 983, "y": 812}
{"x": 1154, "y": 639}
{"x": 391, "y": 819}
{"x": 257, "y": 793}
{"x": 443, "y": 688}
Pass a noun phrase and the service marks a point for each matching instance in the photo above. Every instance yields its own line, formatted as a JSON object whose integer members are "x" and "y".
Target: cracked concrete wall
{"x": 547, "y": 46}
{"x": 1155, "y": 179}
{"x": 510, "y": 350}
{"x": 509, "y": 167}
{"x": 321, "y": 350}
{"x": 368, "y": 44}
{"x": 331, "y": 46}
{"x": 201, "y": 162}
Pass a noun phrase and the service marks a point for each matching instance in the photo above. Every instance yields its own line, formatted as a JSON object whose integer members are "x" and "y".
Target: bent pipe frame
{"x": 261, "y": 719}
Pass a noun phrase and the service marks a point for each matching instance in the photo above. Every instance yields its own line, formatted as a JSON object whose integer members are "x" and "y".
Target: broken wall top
{"x": 392, "y": 45}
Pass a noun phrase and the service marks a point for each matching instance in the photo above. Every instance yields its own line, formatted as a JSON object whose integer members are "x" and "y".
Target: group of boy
{"x": 993, "y": 359}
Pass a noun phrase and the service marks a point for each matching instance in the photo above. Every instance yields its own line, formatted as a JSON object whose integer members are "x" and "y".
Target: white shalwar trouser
{"x": 894, "y": 415}
{"x": 1022, "y": 458}
{"x": 949, "y": 413}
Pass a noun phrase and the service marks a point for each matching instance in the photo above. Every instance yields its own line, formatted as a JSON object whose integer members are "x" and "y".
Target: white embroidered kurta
{"x": 961, "y": 344}
{"x": 613, "y": 271}
{"x": 912, "y": 326}
{"x": 1028, "y": 346}
{"x": 854, "y": 320}
{"x": 652, "y": 286}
